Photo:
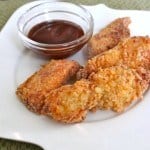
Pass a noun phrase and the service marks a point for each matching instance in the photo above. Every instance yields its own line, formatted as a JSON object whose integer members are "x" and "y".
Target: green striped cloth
{"x": 7, "y": 7}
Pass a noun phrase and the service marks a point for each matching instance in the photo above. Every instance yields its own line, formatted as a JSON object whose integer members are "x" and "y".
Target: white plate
{"x": 102, "y": 130}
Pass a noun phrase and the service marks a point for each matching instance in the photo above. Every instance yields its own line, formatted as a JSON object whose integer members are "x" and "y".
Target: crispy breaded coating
{"x": 69, "y": 103}
{"x": 117, "y": 87}
{"x": 111, "y": 88}
{"x": 133, "y": 52}
{"x": 51, "y": 76}
{"x": 110, "y": 36}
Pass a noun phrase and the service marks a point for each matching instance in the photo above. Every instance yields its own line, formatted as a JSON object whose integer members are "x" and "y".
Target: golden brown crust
{"x": 133, "y": 52}
{"x": 117, "y": 87}
{"x": 110, "y": 36}
{"x": 111, "y": 88}
{"x": 69, "y": 103}
{"x": 51, "y": 76}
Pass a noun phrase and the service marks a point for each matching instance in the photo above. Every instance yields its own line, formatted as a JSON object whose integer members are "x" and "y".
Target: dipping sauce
{"x": 55, "y": 32}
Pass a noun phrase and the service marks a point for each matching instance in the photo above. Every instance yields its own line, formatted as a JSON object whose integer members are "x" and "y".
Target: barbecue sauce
{"x": 55, "y": 32}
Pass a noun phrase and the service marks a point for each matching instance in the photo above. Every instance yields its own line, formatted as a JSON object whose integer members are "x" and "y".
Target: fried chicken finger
{"x": 110, "y": 36}
{"x": 51, "y": 76}
{"x": 118, "y": 86}
{"x": 133, "y": 52}
{"x": 69, "y": 103}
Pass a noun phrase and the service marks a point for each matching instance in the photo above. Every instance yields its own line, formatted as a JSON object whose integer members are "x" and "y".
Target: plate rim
{"x": 7, "y": 135}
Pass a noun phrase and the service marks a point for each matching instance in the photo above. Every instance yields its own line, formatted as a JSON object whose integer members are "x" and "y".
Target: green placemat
{"x": 7, "y": 7}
